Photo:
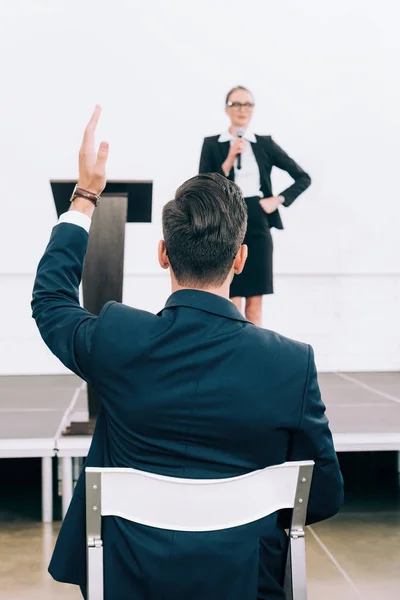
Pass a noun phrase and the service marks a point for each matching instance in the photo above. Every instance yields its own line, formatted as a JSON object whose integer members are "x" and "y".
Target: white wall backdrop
{"x": 327, "y": 87}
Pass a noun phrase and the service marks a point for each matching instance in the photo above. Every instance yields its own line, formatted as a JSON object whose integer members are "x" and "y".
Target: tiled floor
{"x": 349, "y": 557}
{"x": 363, "y": 559}
{"x": 25, "y": 550}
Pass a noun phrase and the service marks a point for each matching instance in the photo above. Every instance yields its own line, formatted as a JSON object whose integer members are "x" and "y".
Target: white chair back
{"x": 197, "y": 505}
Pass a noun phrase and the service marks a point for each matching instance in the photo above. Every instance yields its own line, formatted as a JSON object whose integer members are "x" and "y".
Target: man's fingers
{"x": 88, "y": 135}
{"x": 102, "y": 156}
{"x": 94, "y": 118}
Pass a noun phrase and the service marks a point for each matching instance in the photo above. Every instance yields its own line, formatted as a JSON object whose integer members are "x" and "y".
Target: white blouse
{"x": 248, "y": 177}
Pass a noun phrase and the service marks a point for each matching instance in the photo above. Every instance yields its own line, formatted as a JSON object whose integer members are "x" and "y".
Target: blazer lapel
{"x": 223, "y": 148}
{"x": 259, "y": 155}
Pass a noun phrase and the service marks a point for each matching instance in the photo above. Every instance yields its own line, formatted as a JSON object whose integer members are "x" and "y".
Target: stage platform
{"x": 363, "y": 409}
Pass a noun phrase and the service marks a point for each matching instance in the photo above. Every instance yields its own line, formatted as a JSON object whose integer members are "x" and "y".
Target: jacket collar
{"x": 226, "y": 136}
{"x": 206, "y": 302}
{"x": 259, "y": 153}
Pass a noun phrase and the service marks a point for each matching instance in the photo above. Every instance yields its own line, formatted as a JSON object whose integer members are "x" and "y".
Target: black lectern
{"x": 121, "y": 202}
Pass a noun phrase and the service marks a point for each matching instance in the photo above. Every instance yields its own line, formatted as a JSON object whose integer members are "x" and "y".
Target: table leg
{"x": 398, "y": 468}
{"x": 47, "y": 489}
{"x": 66, "y": 483}
{"x": 77, "y": 468}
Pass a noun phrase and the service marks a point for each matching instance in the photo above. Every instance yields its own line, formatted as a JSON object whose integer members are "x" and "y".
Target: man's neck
{"x": 222, "y": 291}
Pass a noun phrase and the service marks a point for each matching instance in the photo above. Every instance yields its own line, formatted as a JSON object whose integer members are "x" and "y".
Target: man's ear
{"x": 162, "y": 255}
{"x": 240, "y": 260}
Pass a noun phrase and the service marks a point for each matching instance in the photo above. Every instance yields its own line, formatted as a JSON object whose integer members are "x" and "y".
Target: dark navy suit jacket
{"x": 195, "y": 391}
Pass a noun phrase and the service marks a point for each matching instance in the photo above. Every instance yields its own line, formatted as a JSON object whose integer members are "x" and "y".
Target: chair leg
{"x": 295, "y": 576}
{"x": 95, "y": 587}
{"x": 66, "y": 483}
{"x": 77, "y": 468}
{"x": 288, "y": 585}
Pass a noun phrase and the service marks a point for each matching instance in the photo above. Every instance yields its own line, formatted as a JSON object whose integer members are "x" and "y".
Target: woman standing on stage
{"x": 248, "y": 159}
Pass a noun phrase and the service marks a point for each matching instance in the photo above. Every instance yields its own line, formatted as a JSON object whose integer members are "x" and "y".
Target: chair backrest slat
{"x": 198, "y": 505}
{"x": 195, "y": 504}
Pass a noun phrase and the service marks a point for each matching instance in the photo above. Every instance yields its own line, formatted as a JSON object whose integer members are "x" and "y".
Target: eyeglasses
{"x": 248, "y": 106}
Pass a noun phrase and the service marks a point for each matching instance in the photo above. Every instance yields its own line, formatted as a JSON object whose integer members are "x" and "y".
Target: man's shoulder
{"x": 123, "y": 314}
{"x": 275, "y": 344}
{"x": 127, "y": 329}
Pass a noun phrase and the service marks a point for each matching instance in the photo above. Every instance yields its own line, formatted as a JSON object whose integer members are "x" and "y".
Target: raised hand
{"x": 92, "y": 165}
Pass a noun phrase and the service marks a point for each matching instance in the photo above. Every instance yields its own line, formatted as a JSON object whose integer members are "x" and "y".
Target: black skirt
{"x": 256, "y": 278}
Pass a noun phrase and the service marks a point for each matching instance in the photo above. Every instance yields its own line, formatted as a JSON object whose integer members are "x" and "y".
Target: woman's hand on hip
{"x": 270, "y": 205}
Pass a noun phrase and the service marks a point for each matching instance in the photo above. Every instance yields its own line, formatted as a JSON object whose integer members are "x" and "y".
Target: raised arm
{"x": 66, "y": 327}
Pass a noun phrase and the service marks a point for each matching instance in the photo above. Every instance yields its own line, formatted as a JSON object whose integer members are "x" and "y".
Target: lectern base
{"x": 80, "y": 428}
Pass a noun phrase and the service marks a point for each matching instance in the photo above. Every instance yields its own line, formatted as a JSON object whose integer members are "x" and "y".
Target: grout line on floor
{"x": 335, "y": 562}
{"x": 368, "y": 387}
{"x": 69, "y": 409}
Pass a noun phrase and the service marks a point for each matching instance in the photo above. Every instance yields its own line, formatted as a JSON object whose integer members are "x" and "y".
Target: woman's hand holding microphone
{"x": 237, "y": 147}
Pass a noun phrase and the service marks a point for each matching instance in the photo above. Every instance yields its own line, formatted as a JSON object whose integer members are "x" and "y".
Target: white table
{"x": 68, "y": 448}
{"x": 33, "y": 410}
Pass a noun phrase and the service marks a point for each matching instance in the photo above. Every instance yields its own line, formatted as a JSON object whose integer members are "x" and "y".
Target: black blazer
{"x": 195, "y": 391}
{"x": 268, "y": 154}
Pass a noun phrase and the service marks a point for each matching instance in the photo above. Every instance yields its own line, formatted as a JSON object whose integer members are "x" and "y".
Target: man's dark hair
{"x": 234, "y": 89}
{"x": 204, "y": 227}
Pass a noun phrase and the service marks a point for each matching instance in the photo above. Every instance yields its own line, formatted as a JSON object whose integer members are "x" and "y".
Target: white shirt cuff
{"x": 75, "y": 217}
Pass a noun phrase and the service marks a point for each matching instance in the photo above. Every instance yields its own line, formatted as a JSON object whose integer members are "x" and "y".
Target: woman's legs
{"x": 253, "y": 310}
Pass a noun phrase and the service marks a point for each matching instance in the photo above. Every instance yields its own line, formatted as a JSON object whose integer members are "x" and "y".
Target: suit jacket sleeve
{"x": 313, "y": 441}
{"x": 208, "y": 163}
{"x": 66, "y": 327}
{"x": 301, "y": 179}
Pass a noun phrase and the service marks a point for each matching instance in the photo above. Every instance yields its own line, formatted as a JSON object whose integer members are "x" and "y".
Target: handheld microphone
{"x": 240, "y": 133}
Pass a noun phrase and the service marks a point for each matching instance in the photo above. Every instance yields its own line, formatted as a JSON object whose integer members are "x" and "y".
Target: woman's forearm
{"x": 227, "y": 165}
